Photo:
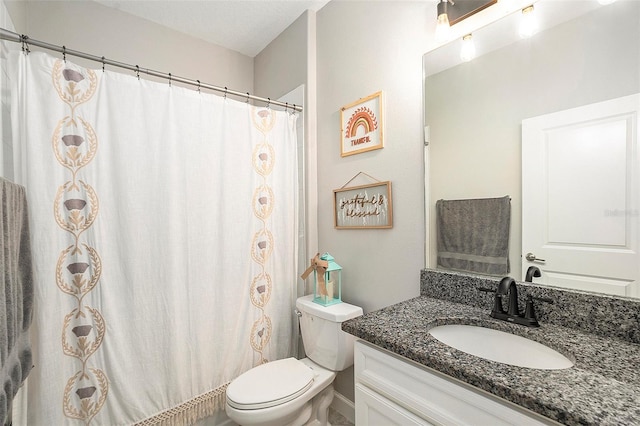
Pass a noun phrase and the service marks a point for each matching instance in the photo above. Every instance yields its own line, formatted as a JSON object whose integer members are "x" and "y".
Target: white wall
{"x": 358, "y": 54}
{"x": 475, "y": 109}
{"x": 282, "y": 65}
{"x": 16, "y": 11}
{"x": 93, "y": 28}
{"x": 364, "y": 47}
{"x": 7, "y": 21}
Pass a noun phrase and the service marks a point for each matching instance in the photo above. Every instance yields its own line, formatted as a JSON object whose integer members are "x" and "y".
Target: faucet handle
{"x": 497, "y": 300}
{"x": 529, "y": 313}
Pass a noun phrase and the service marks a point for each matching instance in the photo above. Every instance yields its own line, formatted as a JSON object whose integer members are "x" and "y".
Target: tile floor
{"x": 337, "y": 419}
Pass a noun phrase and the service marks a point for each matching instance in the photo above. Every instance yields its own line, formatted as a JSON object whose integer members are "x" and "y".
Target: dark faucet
{"x": 508, "y": 285}
{"x": 532, "y": 272}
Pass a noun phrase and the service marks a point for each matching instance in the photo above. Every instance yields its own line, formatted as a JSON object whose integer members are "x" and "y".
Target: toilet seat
{"x": 270, "y": 384}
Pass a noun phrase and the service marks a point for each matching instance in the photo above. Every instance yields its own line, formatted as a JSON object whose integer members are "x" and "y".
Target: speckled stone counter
{"x": 603, "y": 386}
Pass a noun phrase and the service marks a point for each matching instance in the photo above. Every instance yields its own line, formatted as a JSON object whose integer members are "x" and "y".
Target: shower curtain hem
{"x": 191, "y": 411}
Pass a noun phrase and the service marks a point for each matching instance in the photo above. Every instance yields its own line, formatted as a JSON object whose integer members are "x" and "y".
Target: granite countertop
{"x": 603, "y": 386}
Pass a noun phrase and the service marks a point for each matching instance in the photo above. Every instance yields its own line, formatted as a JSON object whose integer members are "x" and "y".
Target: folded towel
{"x": 16, "y": 293}
{"x": 473, "y": 235}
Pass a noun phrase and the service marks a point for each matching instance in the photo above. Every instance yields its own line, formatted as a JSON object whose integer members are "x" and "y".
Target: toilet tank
{"x": 324, "y": 341}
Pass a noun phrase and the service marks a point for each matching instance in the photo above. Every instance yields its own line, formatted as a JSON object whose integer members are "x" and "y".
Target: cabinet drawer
{"x": 433, "y": 396}
{"x": 373, "y": 409}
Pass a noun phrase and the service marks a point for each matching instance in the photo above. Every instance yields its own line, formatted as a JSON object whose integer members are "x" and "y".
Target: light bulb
{"x": 468, "y": 51}
{"x": 442, "y": 26}
{"x": 528, "y": 25}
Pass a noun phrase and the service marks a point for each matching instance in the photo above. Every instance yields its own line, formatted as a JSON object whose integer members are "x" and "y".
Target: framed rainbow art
{"x": 361, "y": 125}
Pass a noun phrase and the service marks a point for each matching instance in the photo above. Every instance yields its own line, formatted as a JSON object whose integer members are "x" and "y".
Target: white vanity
{"x": 392, "y": 390}
{"x": 405, "y": 375}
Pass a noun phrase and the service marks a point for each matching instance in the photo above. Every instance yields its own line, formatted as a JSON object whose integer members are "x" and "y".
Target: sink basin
{"x": 501, "y": 347}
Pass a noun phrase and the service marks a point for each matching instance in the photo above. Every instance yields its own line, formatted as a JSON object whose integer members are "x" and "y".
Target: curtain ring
{"x": 247, "y": 97}
{"x": 138, "y": 72}
{"x": 64, "y": 54}
{"x": 225, "y": 92}
{"x": 198, "y": 85}
{"x": 169, "y": 79}
{"x": 268, "y": 102}
{"x": 103, "y": 64}
{"x": 25, "y": 44}
{"x": 286, "y": 106}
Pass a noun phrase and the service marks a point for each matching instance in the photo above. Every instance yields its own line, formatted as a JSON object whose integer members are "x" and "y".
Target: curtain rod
{"x": 18, "y": 38}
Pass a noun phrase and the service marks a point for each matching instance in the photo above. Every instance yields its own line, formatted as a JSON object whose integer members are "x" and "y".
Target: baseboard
{"x": 344, "y": 406}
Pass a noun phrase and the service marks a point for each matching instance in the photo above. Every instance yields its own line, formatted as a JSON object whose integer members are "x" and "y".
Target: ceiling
{"x": 246, "y": 26}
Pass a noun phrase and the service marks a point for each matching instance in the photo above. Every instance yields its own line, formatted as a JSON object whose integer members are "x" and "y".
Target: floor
{"x": 337, "y": 419}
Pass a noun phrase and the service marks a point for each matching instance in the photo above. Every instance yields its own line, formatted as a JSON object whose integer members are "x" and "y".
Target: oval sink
{"x": 501, "y": 347}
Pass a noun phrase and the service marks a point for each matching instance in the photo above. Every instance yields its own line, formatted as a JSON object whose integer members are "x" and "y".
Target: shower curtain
{"x": 164, "y": 234}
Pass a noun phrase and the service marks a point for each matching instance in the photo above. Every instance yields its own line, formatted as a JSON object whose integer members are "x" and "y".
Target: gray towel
{"x": 16, "y": 294}
{"x": 473, "y": 235}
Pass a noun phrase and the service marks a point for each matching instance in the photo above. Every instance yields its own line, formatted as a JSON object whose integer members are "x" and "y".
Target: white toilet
{"x": 297, "y": 392}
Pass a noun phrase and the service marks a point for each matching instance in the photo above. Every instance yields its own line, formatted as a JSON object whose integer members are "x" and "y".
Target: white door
{"x": 580, "y": 197}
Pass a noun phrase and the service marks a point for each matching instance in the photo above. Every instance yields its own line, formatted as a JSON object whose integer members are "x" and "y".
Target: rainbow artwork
{"x": 361, "y": 125}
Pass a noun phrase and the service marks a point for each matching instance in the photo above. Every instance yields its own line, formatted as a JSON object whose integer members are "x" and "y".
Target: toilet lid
{"x": 270, "y": 384}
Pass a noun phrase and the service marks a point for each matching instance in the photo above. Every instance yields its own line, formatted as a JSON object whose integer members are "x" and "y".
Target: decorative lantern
{"x": 327, "y": 279}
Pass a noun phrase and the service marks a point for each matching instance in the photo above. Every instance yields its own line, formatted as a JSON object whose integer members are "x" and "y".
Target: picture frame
{"x": 363, "y": 207}
{"x": 361, "y": 125}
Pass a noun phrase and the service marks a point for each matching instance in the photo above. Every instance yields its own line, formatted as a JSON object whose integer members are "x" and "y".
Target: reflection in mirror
{"x": 587, "y": 54}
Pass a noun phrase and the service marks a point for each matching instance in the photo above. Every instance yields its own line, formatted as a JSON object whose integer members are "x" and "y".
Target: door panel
{"x": 580, "y": 196}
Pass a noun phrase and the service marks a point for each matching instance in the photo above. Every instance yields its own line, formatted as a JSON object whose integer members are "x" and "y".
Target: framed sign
{"x": 363, "y": 207}
{"x": 361, "y": 125}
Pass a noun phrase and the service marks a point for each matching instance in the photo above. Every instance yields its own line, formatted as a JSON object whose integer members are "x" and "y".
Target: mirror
{"x": 582, "y": 54}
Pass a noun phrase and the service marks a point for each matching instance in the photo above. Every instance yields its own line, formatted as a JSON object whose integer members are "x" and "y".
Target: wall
{"x": 90, "y": 27}
{"x": 9, "y": 20}
{"x": 282, "y": 65}
{"x": 475, "y": 109}
{"x": 17, "y": 13}
{"x": 360, "y": 52}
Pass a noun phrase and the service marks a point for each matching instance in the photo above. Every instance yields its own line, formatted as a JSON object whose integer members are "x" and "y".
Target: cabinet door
{"x": 373, "y": 409}
{"x": 429, "y": 396}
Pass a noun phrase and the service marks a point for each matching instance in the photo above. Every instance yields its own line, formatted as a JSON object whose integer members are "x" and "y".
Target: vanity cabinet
{"x": 393, "y": 390}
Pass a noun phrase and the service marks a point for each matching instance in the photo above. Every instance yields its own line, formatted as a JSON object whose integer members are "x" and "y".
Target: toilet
{"x": 291, "y": 391}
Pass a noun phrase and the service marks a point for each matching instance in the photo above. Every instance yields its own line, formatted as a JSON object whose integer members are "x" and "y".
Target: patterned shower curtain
{"x": 164, "y": 243}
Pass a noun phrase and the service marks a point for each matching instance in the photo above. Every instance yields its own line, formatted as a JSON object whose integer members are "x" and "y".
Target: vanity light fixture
{"x": 528, "y": 25}
{"x": 468, "y": 51}
{"x": 442, "y": 26}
